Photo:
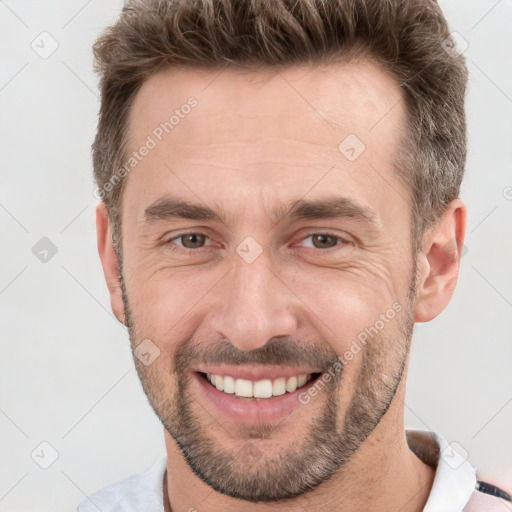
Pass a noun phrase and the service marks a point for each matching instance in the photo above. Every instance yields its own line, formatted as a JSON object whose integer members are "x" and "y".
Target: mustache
{"x": 277, "y": 352}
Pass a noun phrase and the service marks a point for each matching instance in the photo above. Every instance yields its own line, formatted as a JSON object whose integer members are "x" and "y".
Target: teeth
{"x": 291, "y": 384}
{"x": 265, "y": 388}
{"x": 229, "y": 385}
{"x": 243, "y": 388}
{"x": 219, "y": 382}
{"x": 279, "y": 386}
{"x": 262, "y": 389}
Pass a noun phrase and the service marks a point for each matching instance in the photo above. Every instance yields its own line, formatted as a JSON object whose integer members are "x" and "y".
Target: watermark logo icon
{"x": 352, "y": 147}
{"x": 44, "y": 250}
{"x": 146, "y": 352}
{"x": 45, "y": 45}
{"x": 454, "y": 455}
{"x": 249, "y": 453}
{"x": 44, "y": 455}
{"x": 249, "y": 250}
{"x": 455, "y": 45}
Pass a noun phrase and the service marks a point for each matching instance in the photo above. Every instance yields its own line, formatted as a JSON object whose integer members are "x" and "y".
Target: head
{"x": 279, "y": 185}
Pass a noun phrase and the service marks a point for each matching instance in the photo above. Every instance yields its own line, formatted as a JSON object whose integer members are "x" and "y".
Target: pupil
{"x": 195, "y": 239}
{"x": 323, "y": 239}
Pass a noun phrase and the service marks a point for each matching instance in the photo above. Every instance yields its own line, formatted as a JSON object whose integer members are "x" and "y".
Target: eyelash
{"x": 178, "y": 248}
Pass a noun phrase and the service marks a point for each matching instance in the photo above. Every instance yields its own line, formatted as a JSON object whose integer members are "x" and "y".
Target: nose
{"x": 253, "y": 306}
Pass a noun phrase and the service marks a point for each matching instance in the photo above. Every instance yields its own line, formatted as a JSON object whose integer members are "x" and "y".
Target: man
{"x": 279, "y": 185}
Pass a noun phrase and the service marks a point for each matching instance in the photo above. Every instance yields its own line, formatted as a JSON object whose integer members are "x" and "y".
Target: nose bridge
{"x": 254, "y": 305}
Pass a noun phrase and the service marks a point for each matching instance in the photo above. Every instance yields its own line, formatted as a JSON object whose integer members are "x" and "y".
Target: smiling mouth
{"x": 257, "y": 390}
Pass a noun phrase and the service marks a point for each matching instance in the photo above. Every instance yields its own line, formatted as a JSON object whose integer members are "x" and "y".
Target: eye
{"x": 324, "y": 240}
{"x": 194, "y": 241}
{"x": 188, "y": 240}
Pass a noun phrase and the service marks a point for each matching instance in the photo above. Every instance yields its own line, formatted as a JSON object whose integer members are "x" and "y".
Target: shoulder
{"x": 457, "y": 485}
{"x": 490, "y": 497}
{"x": 142, "y": 491}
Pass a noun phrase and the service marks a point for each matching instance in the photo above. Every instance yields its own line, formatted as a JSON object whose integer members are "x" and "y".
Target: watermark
{"x": 454, "y": 454}
{"x": 45, "y": 45}
{"x": 451, "y": 250}
{"x": 150, "y": 143}
{"x": 351, "y": 147}
{"x": 250, "y": 454}
{"x": 44, "y": 455}
{"x": 44, "y": 250}
{"x": 348, "y": 355}
{"x": 249, "y": 249}
{"x": 507, "y": 193}
{"x": 455, "y": 45}
{"x": 146, "y": 352}
{"x": 322, "y": 381}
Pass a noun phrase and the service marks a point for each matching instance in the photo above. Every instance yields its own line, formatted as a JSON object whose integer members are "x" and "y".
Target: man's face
{"x": 263, "y": 294}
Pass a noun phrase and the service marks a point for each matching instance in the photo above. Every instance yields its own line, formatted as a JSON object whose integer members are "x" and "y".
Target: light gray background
{"x": 67, "y": 373}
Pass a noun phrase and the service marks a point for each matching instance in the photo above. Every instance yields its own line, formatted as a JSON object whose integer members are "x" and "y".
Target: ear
{"x": 439, "y": 262}
{"x": 109, "y": 261}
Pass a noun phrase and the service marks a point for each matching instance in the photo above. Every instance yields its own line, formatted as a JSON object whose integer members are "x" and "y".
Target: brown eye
{"x": 191, "y": 240}
{"x": 324, "y": 241}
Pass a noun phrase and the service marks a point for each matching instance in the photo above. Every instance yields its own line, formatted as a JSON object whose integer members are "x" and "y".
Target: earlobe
{"x": 439, "y": 262}
{"x": 109, "y": 261}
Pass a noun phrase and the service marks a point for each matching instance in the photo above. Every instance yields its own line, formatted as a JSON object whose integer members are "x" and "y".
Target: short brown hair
{"x": 409, "y": 38}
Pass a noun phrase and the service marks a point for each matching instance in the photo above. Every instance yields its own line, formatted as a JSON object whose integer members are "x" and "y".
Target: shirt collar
{"x": 455, "y": 477}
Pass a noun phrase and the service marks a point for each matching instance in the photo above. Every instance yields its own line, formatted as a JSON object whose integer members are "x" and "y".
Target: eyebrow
{"x": 169, "y": 208}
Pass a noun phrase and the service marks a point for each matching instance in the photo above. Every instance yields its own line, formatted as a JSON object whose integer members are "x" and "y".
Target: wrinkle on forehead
{"x": 268, "y": 136}
{"x": 329, "y": 99}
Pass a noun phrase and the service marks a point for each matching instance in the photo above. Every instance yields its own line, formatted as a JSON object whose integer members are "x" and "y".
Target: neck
{"x": 384, "y": 474}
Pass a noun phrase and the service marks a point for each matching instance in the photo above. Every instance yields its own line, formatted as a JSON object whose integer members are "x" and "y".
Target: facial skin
{"x": 254, "y": 144}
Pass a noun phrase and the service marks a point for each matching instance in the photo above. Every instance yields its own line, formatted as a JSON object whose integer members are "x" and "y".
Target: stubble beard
{"x": 328, "y": 445}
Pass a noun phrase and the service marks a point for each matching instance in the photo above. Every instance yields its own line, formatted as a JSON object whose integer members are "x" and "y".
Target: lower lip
{"x": 250, "y": 411}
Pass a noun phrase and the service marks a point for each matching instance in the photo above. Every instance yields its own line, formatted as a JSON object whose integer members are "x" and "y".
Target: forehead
{"x": 334, "y": 97}
{"x": 268, "y": 132}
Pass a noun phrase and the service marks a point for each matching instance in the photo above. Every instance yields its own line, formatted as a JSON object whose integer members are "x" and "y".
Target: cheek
{"x": 343, "y": 302}
{"x": 340, "y": 302}
{"x": 164, "y": 301}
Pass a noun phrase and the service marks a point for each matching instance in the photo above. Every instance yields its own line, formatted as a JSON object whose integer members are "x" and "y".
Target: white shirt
{"x": 453, "y": 486}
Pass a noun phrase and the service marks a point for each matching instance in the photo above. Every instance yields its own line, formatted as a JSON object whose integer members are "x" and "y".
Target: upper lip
{"x": 256, "y": 373}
